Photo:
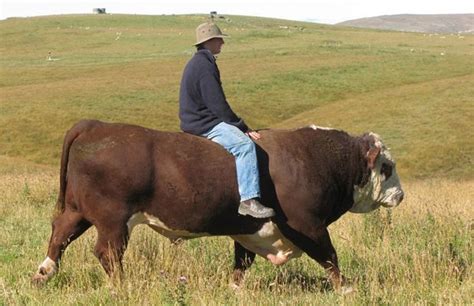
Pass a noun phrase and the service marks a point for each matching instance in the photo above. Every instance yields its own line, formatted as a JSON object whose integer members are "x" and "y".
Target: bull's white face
{"x": 383, "y": 187}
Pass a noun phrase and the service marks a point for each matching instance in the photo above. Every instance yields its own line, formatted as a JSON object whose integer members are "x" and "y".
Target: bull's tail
{"x": 71, "y": 135}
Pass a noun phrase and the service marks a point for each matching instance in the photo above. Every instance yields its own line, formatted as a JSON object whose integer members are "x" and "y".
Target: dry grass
{"x": 420, "y": 252}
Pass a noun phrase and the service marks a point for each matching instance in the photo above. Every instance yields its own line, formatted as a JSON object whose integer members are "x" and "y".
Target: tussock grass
{"x": 420, "y": 252}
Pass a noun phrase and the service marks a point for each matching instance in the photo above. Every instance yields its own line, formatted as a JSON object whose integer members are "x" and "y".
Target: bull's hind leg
{"x": 66, "y": 227}
{"x": 243, "y": 260}
{"x": 110, "y": 247}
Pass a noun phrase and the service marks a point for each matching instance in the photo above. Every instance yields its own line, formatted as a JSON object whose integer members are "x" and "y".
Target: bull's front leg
{"x": 325, "y": 254}
{"x": 317, "y": 244}
{"x": 243, "y": 260}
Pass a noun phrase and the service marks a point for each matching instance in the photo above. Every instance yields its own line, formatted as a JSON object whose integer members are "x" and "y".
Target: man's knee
{"x": 246, "y": 147}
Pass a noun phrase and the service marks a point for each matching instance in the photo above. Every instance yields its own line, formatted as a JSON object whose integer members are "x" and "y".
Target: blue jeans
{"x": 243, "y": 149}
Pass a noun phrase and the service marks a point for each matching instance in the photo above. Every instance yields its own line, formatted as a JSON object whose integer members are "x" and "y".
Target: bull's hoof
{"x": 45, "y": 271}
{"x": 345, "y": 290}
{"x": 39, "y": 279}
{"x": 237, "y": 280}
{"x": 234, "y": 286}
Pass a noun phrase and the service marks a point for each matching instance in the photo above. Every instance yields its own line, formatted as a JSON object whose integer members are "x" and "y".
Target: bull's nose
{"x": 401, "y": 196}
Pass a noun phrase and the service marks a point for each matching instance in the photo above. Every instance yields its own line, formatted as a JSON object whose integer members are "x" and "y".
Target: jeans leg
{"x": 243, "y": 149}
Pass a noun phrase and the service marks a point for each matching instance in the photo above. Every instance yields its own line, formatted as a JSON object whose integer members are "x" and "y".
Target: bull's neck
{"x": 348, "y": 160}
{"x": 349, "y": 169}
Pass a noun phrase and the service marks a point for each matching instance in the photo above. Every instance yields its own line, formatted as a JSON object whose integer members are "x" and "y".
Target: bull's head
{"x": 383, "y": 186}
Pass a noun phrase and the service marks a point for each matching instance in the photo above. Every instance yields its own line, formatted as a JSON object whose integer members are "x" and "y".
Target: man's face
{"x": 214, "y": 45}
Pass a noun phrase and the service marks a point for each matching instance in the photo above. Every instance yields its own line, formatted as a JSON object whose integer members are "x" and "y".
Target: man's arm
{"x": 214, "y": 98}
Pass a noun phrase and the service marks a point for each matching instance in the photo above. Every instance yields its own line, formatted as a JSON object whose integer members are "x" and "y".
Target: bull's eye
{"x": 386, "y": 170}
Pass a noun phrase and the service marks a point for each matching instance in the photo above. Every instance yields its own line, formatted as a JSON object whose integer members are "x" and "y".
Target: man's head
{"x": 209, "y": 36}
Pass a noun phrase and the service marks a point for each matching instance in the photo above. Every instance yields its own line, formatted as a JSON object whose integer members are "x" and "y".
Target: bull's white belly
{"x": 159, "y": 226}
{"x": 267, "y": 242}
{"x": 270, "y": 243}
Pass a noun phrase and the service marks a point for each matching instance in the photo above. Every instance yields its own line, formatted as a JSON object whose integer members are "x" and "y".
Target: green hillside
{"x": 415, "y": 90}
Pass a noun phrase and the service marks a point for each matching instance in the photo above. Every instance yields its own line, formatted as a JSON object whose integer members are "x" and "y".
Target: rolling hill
{"x": 442, "y": 23}
{"x": 414, "y": 90}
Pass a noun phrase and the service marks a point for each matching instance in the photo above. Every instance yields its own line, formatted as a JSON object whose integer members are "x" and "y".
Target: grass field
{"x": 415, "y": 90}
{"x": 420, "y": 252}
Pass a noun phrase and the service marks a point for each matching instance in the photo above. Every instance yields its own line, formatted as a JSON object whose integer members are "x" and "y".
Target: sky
{"x": 322, "y": 11}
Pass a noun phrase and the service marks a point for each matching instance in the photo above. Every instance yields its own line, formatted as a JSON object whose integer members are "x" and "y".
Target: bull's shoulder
{"x": 308, "y": 143}
{"x": 306, "y": 133}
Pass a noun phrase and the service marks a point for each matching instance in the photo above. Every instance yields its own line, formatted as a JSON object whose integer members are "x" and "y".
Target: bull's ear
{"x": 372, "y": 156}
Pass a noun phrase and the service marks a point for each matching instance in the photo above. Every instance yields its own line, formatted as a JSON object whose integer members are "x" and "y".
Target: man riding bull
{"x": 204, "y": 111}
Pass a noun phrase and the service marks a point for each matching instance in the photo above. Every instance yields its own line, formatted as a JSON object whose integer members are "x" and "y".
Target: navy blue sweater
{"x": 202, "y": 102}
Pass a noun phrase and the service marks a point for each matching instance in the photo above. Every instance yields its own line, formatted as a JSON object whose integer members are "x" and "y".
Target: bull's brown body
{"x": 109, "y": 172}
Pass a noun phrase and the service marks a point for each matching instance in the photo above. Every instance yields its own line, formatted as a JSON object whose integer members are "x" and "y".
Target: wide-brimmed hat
{"x": 207, "y": 31}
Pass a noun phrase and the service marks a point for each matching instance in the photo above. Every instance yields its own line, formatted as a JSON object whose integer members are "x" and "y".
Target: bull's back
{"x": 185, "y": 181}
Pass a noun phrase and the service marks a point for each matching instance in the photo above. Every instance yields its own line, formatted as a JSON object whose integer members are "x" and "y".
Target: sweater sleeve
{"x": 214, "y": 98}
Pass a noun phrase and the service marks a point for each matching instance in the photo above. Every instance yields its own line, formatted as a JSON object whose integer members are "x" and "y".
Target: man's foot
{"x": 253, "y": 208}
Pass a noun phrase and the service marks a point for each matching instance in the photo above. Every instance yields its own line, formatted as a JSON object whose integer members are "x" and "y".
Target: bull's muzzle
{"x": 394, "y": 200}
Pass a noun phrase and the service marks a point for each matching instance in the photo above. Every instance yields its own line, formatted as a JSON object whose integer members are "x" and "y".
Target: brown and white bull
{"x": 115, "y": 176}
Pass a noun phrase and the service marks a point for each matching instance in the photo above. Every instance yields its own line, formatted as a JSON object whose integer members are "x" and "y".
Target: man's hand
{"x": 254, "y": 135}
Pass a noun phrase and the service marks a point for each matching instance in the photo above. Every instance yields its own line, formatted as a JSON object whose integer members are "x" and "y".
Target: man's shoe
{"x": 253, "y": 208}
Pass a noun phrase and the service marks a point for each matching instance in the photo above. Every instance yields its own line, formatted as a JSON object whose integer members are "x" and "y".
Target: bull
{"x": 115, "y": 176}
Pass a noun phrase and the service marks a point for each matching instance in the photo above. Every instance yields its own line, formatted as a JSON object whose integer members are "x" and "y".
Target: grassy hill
{"x": 415, "y": 90}
{"x": 435, "y": 23}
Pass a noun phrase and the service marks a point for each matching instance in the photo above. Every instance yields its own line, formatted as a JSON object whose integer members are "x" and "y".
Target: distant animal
{"x": 115, "y": 176}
